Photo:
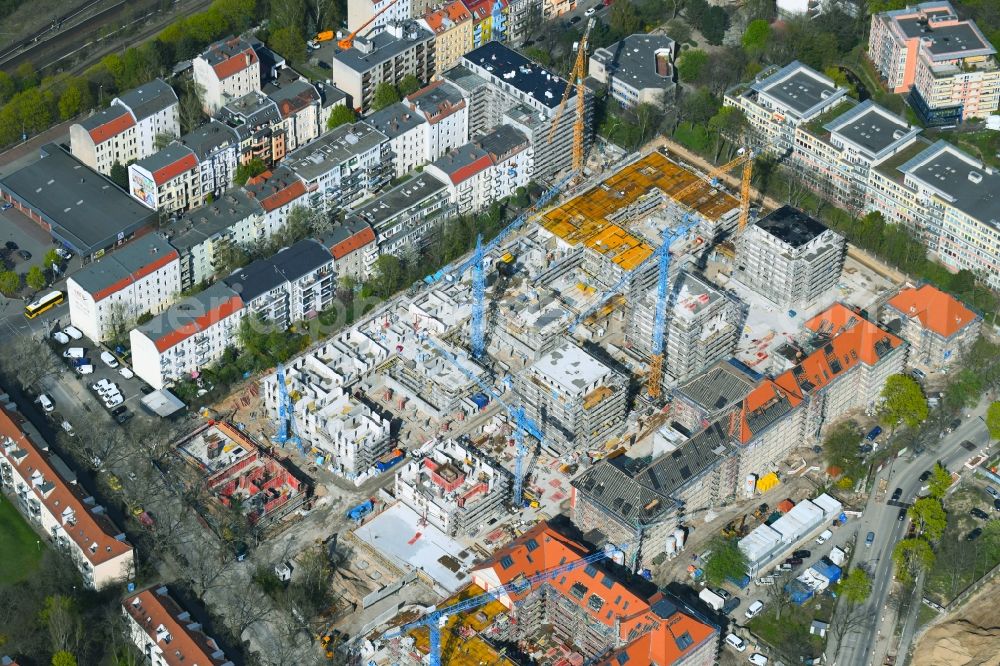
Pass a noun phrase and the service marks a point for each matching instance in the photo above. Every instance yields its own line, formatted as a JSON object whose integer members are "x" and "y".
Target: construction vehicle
{"x": 576, "y": 80}
{"x": 348, "y": 42}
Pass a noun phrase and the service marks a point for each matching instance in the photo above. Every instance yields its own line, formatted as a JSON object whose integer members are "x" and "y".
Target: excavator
{"x": 347, "y": 42}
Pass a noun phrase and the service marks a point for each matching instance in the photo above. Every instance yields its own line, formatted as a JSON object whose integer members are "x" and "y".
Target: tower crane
{"x": 662, "y": 298}
{"x": 745, "y": 158}
{"x": 523, "y": 425}
{"x": 576, "y": 78}
{"x": 436, "y": 620}
{"x": 478, "y": 334}
{"x": 286, "y": 412}
{"x": 348, "y": 42}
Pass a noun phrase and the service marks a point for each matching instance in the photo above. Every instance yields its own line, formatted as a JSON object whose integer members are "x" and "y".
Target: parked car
{"x": 73, "y": 332}
{"x": 919, "y": 374}
{"x": 873, "y": 433}
{"x": 765, "y": 580}
{"x": 731, "y": 605}
{"x": 123, "y": 417}
{"x": 574, "y": 20}
{"x": 824, "y": 537}
{"x": 802, "y": 553}
{"x": 60, "y": 337}
{"x": 976, "y": 512}
{"x": 926, "y": 475}
{"x": 869, "y": 539}
{"x": 993, "y": 491}
{"x": 68, "y": 427}
{"x": 794, "y": 561}
{"x": 113, "y": 401}
{"x": 6, "y": 205}
{"x": 74, "y": 352}
{"x": 109, "y": 359}
{"x": 126, "y": 373}
{"x": 953, "y": 424}
{"x": 85, "y": 368}
{"x": 146, "y": 390}
{"x": 64, "y": 253}
{"x": 784, "y": 566}
{"x": 757, "y": 659}
{"x": 10, "y": 245}
{"x": 591, "y": 11}
{"x": 996, "y": 505}
{"x": 755, "y": 608}
{"x": 736, "y": 642}
{"x": 722, "y": 593}
{"x": 118, "y": 410}
{"x": 974, "y": 534}
{"x": 46, "y": 402}
{"x": 24, "y": 254}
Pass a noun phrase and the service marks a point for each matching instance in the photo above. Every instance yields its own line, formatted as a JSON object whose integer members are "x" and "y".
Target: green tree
{"x": 679, "y": 31}
{"x": 727, "y": 125}
{"x": 251, "y": 169}
{"x": 51, "y": 259}
{"x": 929, "y": 516}
{"x": 993, "y": 420}
{"x": 10, "y": 282}
{"x": 756, "y": 37}
{"x": 856, "y": 586}
{"x": 939, "y": 482}
{"x": 389, "y": 275}
{"x": 904, "y": 401}
{"x": 911, "y": 556}
{"x": 838, "y": 76}
{"x": 714, "y": 25}
{"x": 624, "y": 18}
{"x": 691, "y": 65}
{"x": 26, "y": 75}
{"x": 698, "y": 107}
{"x": 289, "y": 42}
{"x": 7, "y": 87}
{"x": 63, "y": 658}
{"x": 35, "y": 278}
{"x": 74, "y": 99}
{"x": 841, "y": 447}
{"x": 408, "y": 85}
{"x": 726, "y": 561}
{"x": 385, "y": 95}
{"x": 340, "y": 115}
{"x": 119, "y": 175}
{"x": 879, "y": 6}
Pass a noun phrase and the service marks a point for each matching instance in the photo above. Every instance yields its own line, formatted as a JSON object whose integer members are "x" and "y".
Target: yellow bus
{"x": 46, "y": 302}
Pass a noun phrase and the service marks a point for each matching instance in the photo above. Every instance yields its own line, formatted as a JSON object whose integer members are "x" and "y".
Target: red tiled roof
{"x": 235, "y": 64}
{"x": 358, "y": 240}
{"x": 164, "y": 174}
{"x": 152, "y": 609}
{"x": 211, "y": 317}
{"x": 479, "y": 165}
{"x": 937, "y": 311}
{"x": 135, "y": 276}
{"x": 112, "y": 128}
{"x": 456, "y": 12}
{"x": 90, "y": 530}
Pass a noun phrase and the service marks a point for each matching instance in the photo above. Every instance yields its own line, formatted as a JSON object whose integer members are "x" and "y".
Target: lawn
{"x": 20, "y": 549}
{"x": 790, "y": 635}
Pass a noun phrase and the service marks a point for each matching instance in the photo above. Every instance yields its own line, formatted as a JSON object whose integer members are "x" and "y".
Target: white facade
{"x": 143, "y": 276}
{"x": 167, "y": 181}
{"x": 167, "y": 635}
{"x": 361, "y": 11}
{"x": 227, "y": 70}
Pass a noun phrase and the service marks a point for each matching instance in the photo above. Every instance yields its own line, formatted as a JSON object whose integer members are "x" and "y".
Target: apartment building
{"x": 216, "y": 145}
{"x": 303, "y": 112}
{"x": 354, "y": 248}
{"x": 512, "y": 160}
{"x": 258, "y": 123}
{"x": 226, "y": 70}
{"x": 359, "y": 12}
{"x": 452, "y": 26}
{"x": 407, "y": 134}
{"x": 591, "y": 610}
{"x": 525, "y": 95}
{"x": 711, "y": 395}
{"x": 189, "y": 335}
{"x": 948, "y": 197}
{"x": 432, "y": 384}
{"x": 277, "y": 191}
{"x": 835, "y": 158}
{"x": 443, "y": 106}
{"x": 522, "y": 17}
{"x": 454, "y": 486}
{"x": 703, "y": 326}
{"x": 166, "y": 634}
{"x": 405, "y": 217}
{"x": 327, "y": 417}
{"x": 167, "y": 181}
{"x": 128, "y": 129}
{"x": 344, "y": 166}
{"x": 401, "y": 49}
{"x": 779, "y": 100}
{"x": 789, "y": 257}
{"x": 938, "y": 327}
{"x": 107, "y": 296}
{"x": 638, "y": 69}
{"x": 554, "y": 8}
{"x": 489, "y": 21}
{"x": 466, "y": 173}
{"x": 576, "y": 400}
{"x": 295, "y": 284}
{"x": 45, "y": 491}
{"x": 201, "y": 235}
{"x": 945, "y": 64}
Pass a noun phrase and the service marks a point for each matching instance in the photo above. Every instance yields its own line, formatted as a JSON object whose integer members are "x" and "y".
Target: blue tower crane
{"x": 523, "y": 424}
{"x": 662, "y": 298}
{"x": 478, "y": 335}
{"x": 435, "y": 621}
{"x": 286, "y": 412}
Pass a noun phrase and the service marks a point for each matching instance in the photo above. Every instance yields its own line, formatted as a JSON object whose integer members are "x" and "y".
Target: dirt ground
{"x": 969, "y": 637}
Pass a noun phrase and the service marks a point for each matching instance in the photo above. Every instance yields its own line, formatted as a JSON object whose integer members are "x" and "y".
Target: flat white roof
{"x": 798, "y": 522}
{"x": 760, "y": 543}
{"x": 829, "y": 505}
{"x": 570, "y": 369}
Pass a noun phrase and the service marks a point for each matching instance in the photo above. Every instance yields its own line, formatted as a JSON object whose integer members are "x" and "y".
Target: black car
{"x": 974, "y": 534}
{"x": 802, "y": 553}
{"x": 901, "y": 516}
{"x": 896, "y": 494}
{"x": 953, "y": 425}
{"x": 926, "y": 475}
{"x": 118, "y": 410}
{"x": 146, "y": 390}
{"x": 10, "y": 245}
{"x": 575, "y": 19}
{"x": 996, "y": 505}
{"x": 24, "y": 254}
{"x": 794, "y": 561}
{"x": 123, "y": 417}
{"x": 978, "y": 513}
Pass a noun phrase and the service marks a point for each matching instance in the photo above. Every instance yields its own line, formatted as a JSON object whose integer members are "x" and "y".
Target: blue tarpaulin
{"x": 828, "y": 570}
{"x": 798, "y": 592}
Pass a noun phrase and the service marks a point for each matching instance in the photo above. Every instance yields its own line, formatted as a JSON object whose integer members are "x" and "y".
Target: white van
{"x": 86, "y": 369}
{"x": 73, "y": 332}
{"x": 824, "y": 537}
{"x": 109, "y": 359}
{"x": 74, "y": 352}
{"x": 754, "y": 609}
{"x": 46, "y": 403}
{"x": 736, "y": 642}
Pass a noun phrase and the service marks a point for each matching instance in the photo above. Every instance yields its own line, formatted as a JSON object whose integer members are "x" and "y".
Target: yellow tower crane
{"x": 745, "y": 158}
{"x": 576, "y": 77}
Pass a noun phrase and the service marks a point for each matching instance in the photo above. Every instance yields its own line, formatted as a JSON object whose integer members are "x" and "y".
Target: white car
{"x": 46, "y": 402}
{"x": 74, "y": 352}
{"x": 754, "y": 609}
{"x": 68, "y": 427}
{"x": 64, "y": 253}
{"x": 757, "y": 659}
{"x": 73, "y": 332}
{"x": 101, "y": 385}
{"x": 126, "y": 373}
{"x": 113, "y": 401}
{"x": 109, "y": 359}
{"x": 60, "y": 337}
{"x": 590, "y": 12}
{"x": 736, "y": 642}
{"x": 86, "y": 369}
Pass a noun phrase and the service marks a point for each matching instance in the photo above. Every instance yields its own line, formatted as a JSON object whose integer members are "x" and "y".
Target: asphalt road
{"x": 869, "y": 643}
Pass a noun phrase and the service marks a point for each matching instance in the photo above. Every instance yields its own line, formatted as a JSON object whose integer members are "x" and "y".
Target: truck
{"x": 714, "y": 601}
{"x": 388, "y": 460}
{"x": 360, "y": 511}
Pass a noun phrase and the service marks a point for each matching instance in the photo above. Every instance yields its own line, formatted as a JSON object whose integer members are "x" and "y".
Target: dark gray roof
{"x": 395, "y": 120}
{"x": 398, "y": 199}
{"x": 103, "y": 116}
{"x": 960, "y": 40}
{"x": 330, "y": 94}
{"x": 800, "y": 88}
{"x": 436, "y": 98}
{"x": 254, "y": 279}
{"x": 212, "y": 219}
{"x": 123, "y": 262}
{"x": 225, "y": 48}
{"x": 633, "y": 61}
{"x": 518, "y": 72}
{"x": 959, "y": 179}
{"x": 208, "y": 138}
{"x": 289, "y": 264}
{"x": 464, "y": 78}
{"x": 85, "y": 209}
{"x": 673, "y": 470}
{"x": 614, "y": 488}
{"x": 291, "y": 93}
{"x": 303, "y": 257}
{"x": 722, "y": 385}
{"x": 149, "y": 98}
{"x": 384, "y": 46}
{"x": 791, "y": 226}
{"x": 872, "y": 128}
{"x": 501, "y": 141}
{"x": 182, "y": 314}
{"x": 335, "y": 147}
{"x": 254, "y": 109}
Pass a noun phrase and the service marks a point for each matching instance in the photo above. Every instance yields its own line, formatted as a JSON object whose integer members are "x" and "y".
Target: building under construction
{"x": 454, "y": 486}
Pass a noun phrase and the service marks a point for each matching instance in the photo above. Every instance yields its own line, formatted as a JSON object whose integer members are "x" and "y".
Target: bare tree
{"x": 29, "y": 360}
{"x": 121, "y": 319}
{"x": 62, "y": 618}
{"x": 854, "y": 618}
{"x": 778, "y": 598}
{"x": 206, "y": 565}
{"x": 244, "y": 604}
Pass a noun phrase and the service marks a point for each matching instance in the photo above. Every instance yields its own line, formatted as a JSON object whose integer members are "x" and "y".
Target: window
{"x": 506, "y": 562}
{"x": 684, "y": 641}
